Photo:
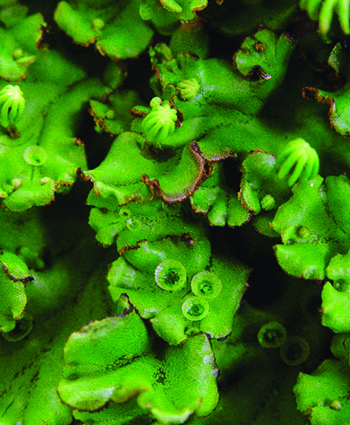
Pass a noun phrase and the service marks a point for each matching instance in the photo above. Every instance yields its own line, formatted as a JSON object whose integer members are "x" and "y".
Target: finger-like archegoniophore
{"x": 299, "y": 160}
{"x": 189, "y": 88}
{"x": 160, "y": 122}
{"x": 323, "y": 11}
{"x": 12, "y": 105}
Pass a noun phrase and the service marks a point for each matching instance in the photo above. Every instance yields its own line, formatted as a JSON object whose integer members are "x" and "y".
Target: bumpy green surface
{"x": 45, "y": 154}
{"x": 323, "y": 395}
{"x": 315, "y": 232}
{"x": 20, "y": 40}
{"x": 107, "y": 25}
{"x": 111, "y": 360}
{"x": 14, "y": 275}
{"x": 175, "y": 214}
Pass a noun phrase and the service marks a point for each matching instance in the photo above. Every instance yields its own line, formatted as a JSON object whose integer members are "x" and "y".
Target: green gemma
{"x": 272, "y": 335}
{"x": 195, "y": 308}
{"x": 171, "y": 275}
{"x": 206, "y": 285}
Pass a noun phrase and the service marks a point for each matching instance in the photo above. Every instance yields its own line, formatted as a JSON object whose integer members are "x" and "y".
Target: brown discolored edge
{"x": 79, "y": 142}
{"x": 180, "y": 117}
{"x": 129, "y": 248}
{"x": 11, "y": 80}
{"x": 193, "y": 56}
{"x": 200, "y": 211}
{"x": 100, "y": 122}
{"x": 91, "y": 41}
{"x": 129, "y": 309}
{"x": 187, "y": 239}
{"x": 136, "y": 114}
{"x": 228, "y": 153}
{"x": 102, "y": 52}
{"x": 240, "y": 198}
{"x": 133, "y": 198}
{"x": 202, "y": 176}
{"x": 192, "y": 25}
{"x": 86, "y": 178}
{"x": 219, "y": 2}
{"x": 258, "y": 150}
{"x": 224, "y": 337}
{"x": 13, "y": 278}
{"x": 289, "y": 36}
{"x": 234, "y": 63}
{"x": 313, "y": 95}
{"x": 162, "y": 3}
{"x": 45, "y": 28}
{"x": 61, "y": 183}
{"x": 259, "y": 46}
{"x": 234, "y": 58}
{"x": 193, "y": 10}
{"x": 198, "y": 9}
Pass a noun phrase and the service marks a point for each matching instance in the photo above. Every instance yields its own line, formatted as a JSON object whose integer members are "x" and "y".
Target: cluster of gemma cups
{"x": 294, "y": 350}
{"x": 171, "y": 275}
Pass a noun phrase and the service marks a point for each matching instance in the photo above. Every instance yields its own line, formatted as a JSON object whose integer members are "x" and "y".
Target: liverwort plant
{"x": 175, "y": 212}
